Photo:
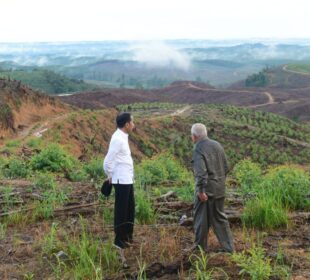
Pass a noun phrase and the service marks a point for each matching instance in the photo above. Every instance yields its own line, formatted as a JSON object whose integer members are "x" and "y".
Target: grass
{"x": 144, "y": 210}
{"x": 264, "y": 213}
{"x": 52, "y": 199}
{"x": 254, "y": 263}
{"x": 12, "y": 143}
{"x": 3, "y": 229}
{"x": 45, "y": 181}
{"x": 89, "y": 257}
{"x": 34, "y": 143}
{"x": 51, "y": 244}
{"x": 200, "y": 268}
{"x": 274, "y": 194}
{"x": 257, "y": 266}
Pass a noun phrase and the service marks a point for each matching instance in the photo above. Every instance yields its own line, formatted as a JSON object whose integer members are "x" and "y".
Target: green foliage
{"x": 89, "y": 257}
{"x": 8, "y": 199}
{"x": 52, "y": 199}
{"x": 51, "y": 244}
{"x": 148, "y": 106}
{"x": 264, "y": 212}
{"x": 3, "y": 229}
{"x": 160, "y": 169}
{"x": 144, "y": 210}
{"x": 15, "y": 168}
{"x": 185, "y": 192}
{"x": 248, "y": 174}
{"x": 6, "y": 116}
{"x": 45, "y": 181}
{"x": 200, "y": 269}
{"x": 94, "y": 169}
{"x": 28, "y": 276}
{"x": 265, "y": 138}
{"x": 46, "y": 80}
{"x": 254, "y": 263}
{"x": 291, "y": 185}
{"x": 34, "y": 143}
{"x": 257, "y": 80}
{"x": 77, "y": 175}
{"x": 53, "y": 158}
{"x": 281, "y": 189}
{"x": 12, "y": 143}
{"x": 107, "y": 215}
{"x": 301, "y": 68}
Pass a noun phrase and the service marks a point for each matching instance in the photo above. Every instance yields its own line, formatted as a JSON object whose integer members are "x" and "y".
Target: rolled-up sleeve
{"x": 200, "y": 170}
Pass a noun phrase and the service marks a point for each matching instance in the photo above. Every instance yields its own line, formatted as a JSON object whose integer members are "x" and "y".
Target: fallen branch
{"x": 55, "y": 211}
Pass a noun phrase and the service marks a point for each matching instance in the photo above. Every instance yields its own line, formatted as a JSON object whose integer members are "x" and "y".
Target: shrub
{"x": 248, "y": 175}
{"x": 94, "y": 169}
{"x": 15, "y": 168}
{"x": 160, "y": 169}
{"x": 34, "y": 143}
{"x": 53, "y": 158}
{"x": 77, "y": 175}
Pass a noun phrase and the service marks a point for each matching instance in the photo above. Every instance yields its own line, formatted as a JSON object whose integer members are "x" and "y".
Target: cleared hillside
{"x": 22, "y": 106}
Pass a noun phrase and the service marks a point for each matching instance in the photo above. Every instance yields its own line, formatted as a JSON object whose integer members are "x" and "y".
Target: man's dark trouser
{"x": 211, "y": 213}
{"x": 124, "y": 214}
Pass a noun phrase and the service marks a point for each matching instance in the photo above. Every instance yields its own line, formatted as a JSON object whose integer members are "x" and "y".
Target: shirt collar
{"x": 202, "y": 139}
{"x": 122, "y": 133}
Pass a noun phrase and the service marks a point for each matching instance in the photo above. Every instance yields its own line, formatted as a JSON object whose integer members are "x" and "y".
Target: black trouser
{"x": 124, "y": 214}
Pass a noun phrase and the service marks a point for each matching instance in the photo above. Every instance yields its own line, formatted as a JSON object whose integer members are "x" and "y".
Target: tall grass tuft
{"x": 265, "y": 213}
{"x": 144, "y": 210}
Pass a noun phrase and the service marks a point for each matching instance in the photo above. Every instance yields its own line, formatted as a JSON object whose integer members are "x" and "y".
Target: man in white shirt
{"x": 118, "y": 165}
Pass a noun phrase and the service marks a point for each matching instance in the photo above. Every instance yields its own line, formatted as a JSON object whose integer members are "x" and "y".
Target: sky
{"x": 98, "y": 20}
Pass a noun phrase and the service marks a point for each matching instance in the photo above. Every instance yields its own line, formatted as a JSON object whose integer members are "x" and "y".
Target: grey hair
{"x": 199, "y": 130}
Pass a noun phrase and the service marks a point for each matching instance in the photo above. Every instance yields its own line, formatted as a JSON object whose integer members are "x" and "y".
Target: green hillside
{"x": 46, "y": 80}
{"x": 264, "y": 137}
{"x": 301, "y": 68}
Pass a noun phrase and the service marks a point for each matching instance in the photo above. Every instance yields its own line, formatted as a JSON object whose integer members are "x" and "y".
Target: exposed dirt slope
{"x": 21, "y": 107}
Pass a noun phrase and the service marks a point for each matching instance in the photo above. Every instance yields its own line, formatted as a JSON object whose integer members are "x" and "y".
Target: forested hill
{"x": 46, "y": 80}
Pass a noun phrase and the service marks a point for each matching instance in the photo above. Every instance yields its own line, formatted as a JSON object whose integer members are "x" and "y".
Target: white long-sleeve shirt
{"x": 118, "y": 163}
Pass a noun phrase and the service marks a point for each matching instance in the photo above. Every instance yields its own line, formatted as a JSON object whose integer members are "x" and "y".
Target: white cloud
{"x": 159, "y": 54}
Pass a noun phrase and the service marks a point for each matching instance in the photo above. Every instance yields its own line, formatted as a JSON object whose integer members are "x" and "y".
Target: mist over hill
{"x": 137, "y": 64}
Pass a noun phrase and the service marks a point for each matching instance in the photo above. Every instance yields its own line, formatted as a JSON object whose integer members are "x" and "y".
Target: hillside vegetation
{"x": 46, "y": 80}
{"x": 63, "y": 227}
{"x": 300, "y": 68}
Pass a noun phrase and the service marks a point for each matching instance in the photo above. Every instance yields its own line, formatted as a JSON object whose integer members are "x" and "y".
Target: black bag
{"x": 106, "y": 188}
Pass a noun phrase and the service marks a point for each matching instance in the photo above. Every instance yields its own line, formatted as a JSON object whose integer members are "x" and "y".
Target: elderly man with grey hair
{"x": 210, "y": 170}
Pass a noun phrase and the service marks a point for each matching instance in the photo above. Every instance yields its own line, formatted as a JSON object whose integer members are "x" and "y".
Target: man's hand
{"x": 203, "y": 196}
{"x": 110, "y": 180}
